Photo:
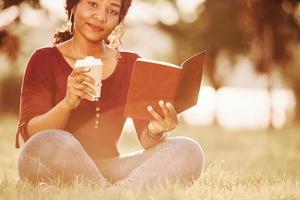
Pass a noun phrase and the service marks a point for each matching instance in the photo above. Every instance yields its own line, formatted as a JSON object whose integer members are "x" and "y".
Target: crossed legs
{"x": 53, "y": 154}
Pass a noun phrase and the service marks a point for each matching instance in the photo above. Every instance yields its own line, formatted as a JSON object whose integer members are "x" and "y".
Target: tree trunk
{"x": 267, "y": 63}
{"x": 211, "y": 69}
{"x": 297, "y": 106}
{"x": 271, "y": 107}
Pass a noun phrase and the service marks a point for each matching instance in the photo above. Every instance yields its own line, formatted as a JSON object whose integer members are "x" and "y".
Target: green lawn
{"x": 239, "y": 165}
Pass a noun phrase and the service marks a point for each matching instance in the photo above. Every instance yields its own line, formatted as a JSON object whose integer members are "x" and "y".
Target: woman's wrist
{"x": 155, "y": 136}
{"x": 65, "y": 105}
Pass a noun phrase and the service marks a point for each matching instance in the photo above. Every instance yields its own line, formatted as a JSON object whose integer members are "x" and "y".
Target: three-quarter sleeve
{"x": 36, "y": 92}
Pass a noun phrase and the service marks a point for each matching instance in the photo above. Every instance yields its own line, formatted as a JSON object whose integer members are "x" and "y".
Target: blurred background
{"x": 248, "y": 113}
{"x": 252, "y": 74}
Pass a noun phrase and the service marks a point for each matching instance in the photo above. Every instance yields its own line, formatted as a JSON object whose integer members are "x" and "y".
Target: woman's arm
{"x": 57, "y": 117}
{"x": 147, "y": 141}
{"x": 155, "y": 131}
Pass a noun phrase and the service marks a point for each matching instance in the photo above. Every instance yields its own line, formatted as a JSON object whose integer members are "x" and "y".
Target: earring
{"x": 118, "y": 55}
{"x": 70, "y": 24}
{"x": 106, "y": 40}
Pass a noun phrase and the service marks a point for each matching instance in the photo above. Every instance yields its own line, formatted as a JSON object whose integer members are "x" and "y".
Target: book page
{"x": 165, "y": 64}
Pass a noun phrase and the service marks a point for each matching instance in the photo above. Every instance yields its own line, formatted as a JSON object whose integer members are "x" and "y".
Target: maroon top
{"x": 44, "y": 86}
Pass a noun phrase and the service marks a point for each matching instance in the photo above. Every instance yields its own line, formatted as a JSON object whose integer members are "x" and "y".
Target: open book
{"x": 152, "y": 81}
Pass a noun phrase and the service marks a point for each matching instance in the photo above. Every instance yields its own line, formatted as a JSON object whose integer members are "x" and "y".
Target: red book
{"x": 152, "y": 81}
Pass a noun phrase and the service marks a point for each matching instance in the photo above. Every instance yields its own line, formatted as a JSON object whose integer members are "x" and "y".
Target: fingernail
{"x": 168, "y": 104}
{"x": 86, "y": 69}
{"x": 149, "y": 108}
{"x": 161, "y": 102}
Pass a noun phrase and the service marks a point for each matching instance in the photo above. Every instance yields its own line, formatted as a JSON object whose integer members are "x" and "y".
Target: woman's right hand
{"x": 77, "y": 87}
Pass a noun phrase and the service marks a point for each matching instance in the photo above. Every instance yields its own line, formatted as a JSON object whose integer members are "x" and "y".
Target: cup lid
{"x": 88, "y": 61}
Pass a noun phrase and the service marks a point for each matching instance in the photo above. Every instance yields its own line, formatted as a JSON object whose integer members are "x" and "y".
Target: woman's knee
{"x": 45, "y": 146}
{"x": 48, "y": 141}
{"x": 47, "y": 152}
{"x": 189, "y": 151}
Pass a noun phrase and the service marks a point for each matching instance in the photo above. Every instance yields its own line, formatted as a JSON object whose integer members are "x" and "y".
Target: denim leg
{"x": 177, "y": 159}
{"x": 56, "y": 154}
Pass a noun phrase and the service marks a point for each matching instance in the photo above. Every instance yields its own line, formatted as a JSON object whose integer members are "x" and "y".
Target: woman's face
{"x": 96, "y": 19}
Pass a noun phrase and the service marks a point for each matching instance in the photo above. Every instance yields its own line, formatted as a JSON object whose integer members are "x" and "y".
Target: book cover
{"x": 152, "y": 81}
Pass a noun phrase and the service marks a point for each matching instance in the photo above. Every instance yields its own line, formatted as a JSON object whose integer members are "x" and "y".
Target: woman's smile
{"x": 95, "y": 27}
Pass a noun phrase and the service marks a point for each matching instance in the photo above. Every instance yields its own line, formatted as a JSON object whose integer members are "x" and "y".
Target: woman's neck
{"x": 81, "y": 48}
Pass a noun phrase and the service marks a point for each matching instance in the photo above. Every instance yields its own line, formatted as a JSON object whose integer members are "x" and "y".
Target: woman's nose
{"x": 100, "y": 15}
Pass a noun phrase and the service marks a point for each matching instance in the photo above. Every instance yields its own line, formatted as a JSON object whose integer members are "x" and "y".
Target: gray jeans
{"x": 56, "y": 154}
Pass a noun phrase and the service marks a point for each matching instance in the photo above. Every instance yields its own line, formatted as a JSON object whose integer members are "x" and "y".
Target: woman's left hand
{"x": 164, "y": 123}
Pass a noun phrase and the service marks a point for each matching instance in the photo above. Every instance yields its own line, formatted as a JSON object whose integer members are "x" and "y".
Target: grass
{"x": 239, "y": 165}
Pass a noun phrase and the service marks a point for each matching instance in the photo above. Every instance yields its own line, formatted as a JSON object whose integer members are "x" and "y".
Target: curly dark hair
{"x": 63, "y": 35}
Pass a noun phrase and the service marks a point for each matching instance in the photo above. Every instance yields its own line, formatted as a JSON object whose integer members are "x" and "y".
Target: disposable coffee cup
{"x": 95, "y": 72}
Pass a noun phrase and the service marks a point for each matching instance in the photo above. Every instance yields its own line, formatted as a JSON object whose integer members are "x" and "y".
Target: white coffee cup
{"x": 95, "y": 72}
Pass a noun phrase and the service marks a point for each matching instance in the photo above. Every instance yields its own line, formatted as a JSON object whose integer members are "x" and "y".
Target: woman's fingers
{"x": 79, "y": 70}
{"x": 85, "y": 87}
{"x": 163, "y": 123}
{"x": 80, "y": 81}
{"x": 170, "y": 117}
{"x": 85, "y": 78}
{"x": 78, "y": 75}
{"x": 169, "y": 112}
{"x": 79, "y": 87}
{"x": 88, "y": 97}
{"x": 164, "y": 108}
{"x": 77, "y": 93}
{"x": 81, "y": 78}
{"x": 155, "y": 115}
{"x": 81, "y": 94}
{"x": 155, "y": 128}
{"x": 173, "y": 113}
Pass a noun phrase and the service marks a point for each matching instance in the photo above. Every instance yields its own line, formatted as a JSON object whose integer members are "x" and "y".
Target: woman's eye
{"x": 93, "y": 4}
{"x": 113, "y": 12}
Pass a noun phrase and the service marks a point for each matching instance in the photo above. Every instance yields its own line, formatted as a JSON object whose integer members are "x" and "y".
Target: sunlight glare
{"x": 188, "y": 11}
{"x": 32, "y": 17}
{"x": 166, "y": 12}
{"x": 203, "y": 112}
{"x": 8, "y": 15}
{"x": 57, "y": 8}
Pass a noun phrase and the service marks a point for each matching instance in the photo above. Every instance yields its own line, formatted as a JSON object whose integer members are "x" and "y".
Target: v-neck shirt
{"x": 97, "y": 125}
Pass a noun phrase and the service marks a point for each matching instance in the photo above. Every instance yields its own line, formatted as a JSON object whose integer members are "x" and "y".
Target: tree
{"x": 277, "y": 39}
{"x": 266, "y": 30}
{"x": 216, "y": 29}
{"x": 10, "y": 47}
{"x": 9, "y": 42}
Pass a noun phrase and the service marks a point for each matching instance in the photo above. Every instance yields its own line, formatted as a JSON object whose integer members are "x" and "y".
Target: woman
{"x": 67, "y": 135}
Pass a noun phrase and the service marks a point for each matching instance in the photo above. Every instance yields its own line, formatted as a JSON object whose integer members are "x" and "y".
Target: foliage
{"x": 276, "y": 32}
{"x": 8, "y": 3}
{"x": 265, "y": 30}
{"x": 277, "y": 41}
{"x": 218, "y": 28}
{"x": 10, "y": 94}
{"x": 10, "y": 42}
